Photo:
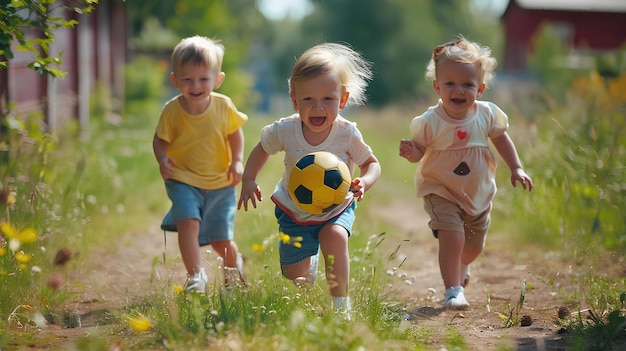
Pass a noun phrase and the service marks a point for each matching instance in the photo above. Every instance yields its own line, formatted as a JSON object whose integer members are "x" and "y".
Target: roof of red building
{"x": 574, "y": 5}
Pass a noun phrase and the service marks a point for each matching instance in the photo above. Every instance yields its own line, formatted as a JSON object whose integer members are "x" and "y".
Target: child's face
{"x": 458, "y": 85}
{"x": 196, "y": 82}
{"x": 318, "y": 101}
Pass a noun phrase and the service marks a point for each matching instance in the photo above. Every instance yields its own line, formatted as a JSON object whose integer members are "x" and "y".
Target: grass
{"x": 65, "y": 193}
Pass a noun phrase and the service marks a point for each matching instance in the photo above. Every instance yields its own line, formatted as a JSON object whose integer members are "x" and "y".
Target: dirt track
{"x": 119, "y": 279}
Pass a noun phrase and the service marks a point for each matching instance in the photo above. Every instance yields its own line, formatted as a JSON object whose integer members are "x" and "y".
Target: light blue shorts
{"x": 215, "y": 209}
{"x": 289, "y": 254}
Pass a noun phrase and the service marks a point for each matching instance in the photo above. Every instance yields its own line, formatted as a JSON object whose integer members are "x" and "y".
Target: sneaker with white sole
{"x": 454, "y": 297}
{"x": 197, "y": 282}
{"x": 342, "y": 306}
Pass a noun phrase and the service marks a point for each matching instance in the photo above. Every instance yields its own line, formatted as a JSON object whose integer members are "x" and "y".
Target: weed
{"x": 512, "y": 316}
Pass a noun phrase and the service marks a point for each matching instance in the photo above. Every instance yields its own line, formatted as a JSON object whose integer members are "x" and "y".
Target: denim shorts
{"x": 215, "y": 209}
{"x": 290, "y": 254}
{"x": 446, "y": 215}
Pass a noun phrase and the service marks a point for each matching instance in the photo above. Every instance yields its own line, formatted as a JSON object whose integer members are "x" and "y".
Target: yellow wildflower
{"x": 255, "y": 247}
{"x": 285, "y": 238}
{"x": 140, "y": 323}
{"x": 26, "y": 235}
{"x": 617, "y": 88}
{"x": 7, "y": 230}
{"x": 21, "y": 257}
{"x": 3, "y": 250}
{"x": 179, "y": 289}
{"x": 17, "y": 237}
{"x": 296, "y": 241}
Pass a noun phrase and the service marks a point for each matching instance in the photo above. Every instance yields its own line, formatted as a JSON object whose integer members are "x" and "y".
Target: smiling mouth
{"x": 458, "y": 101}
{"x": 317, "y": 121}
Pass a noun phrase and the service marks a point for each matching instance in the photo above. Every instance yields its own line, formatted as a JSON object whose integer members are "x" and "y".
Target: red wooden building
{"x": 94, "y": 52}
{"x": 587, "y": 25}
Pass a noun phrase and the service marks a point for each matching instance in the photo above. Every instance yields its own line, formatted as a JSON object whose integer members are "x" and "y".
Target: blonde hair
{"x": 198, "y": 50}
{"x": 353, "y": 70}
{"x": 463, "y": 51}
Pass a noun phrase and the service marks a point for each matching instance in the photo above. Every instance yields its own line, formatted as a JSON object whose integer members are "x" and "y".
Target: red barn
{"x": 94, "y": 52}
{"x": 594, "y": 25}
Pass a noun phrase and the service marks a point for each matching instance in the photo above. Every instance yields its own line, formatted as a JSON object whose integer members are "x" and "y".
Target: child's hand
{"x": 166, "y": 167}
{"x": 235, "y": 171}
{"x": 518, "y": 175}
{"x": 249, "y": 191}
{"x": 357, "y": 187}
{"x": 410, "y": 151}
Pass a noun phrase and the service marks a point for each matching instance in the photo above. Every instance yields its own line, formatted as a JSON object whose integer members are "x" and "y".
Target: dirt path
{"x": 497, "y": 277}
{"x": 120, "y": 279}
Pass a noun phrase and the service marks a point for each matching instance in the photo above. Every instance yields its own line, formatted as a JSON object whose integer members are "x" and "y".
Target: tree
{"x": 32, "y": 24}
{"x": 237, "y": 24}
{"x": 21, "y": 16}
{"x": 397, "y": 36}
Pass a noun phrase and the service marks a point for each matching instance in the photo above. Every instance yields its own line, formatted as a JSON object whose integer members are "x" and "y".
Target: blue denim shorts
{"x": 290, "y": 254}
{"x": 215, "y": 209}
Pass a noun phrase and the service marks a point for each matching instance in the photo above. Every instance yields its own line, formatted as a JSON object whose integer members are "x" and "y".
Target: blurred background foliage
{"x": 398, "y": 36}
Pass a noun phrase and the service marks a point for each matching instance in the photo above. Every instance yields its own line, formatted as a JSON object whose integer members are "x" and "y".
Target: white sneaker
{"x": 342, "y": 306}
{"x": 197, "y": 282}
{"x": 454, "y": 297}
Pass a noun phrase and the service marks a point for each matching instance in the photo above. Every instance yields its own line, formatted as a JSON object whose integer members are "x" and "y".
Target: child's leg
{"x": 233, "y": 270}
{"x": 334, "y": 243}
{"x": 297, "y": 270}
{"x": 451, "y": 245}
{"x": 468, "y": 256}
{"x": 228, "y": 250}
{"x": 188, "y": 230}
{"x": 475, "y": 235}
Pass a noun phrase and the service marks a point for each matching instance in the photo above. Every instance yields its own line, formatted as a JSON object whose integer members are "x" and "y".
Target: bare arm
{"x": 235, "y": 170}
{"x": 370, "y": 172}
{"x": 411, "y": 151}
{"x": 249, "y": 188}
{"x": 160, "y": 146}
{"x": 507, "y": 151}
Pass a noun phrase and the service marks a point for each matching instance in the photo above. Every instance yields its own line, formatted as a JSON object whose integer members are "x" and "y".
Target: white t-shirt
{"x": 344, "y": 141}
{"x": 458, "y": 164}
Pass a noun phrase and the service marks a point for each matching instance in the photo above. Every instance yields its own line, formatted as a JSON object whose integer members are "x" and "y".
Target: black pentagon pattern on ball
{"x": 332, "y": 178}
{"x": 305, "y": 161}
{"x": 304, "y": 195}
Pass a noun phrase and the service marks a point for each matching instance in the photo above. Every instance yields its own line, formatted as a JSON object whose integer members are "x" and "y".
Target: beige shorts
{"x": 448, "y": 216}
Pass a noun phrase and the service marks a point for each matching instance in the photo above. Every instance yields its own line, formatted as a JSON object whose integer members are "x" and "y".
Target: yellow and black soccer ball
{"x": 319, "y": 181}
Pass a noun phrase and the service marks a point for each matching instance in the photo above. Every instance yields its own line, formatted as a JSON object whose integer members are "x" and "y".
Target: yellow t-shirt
{"x": 199, "y": 143}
